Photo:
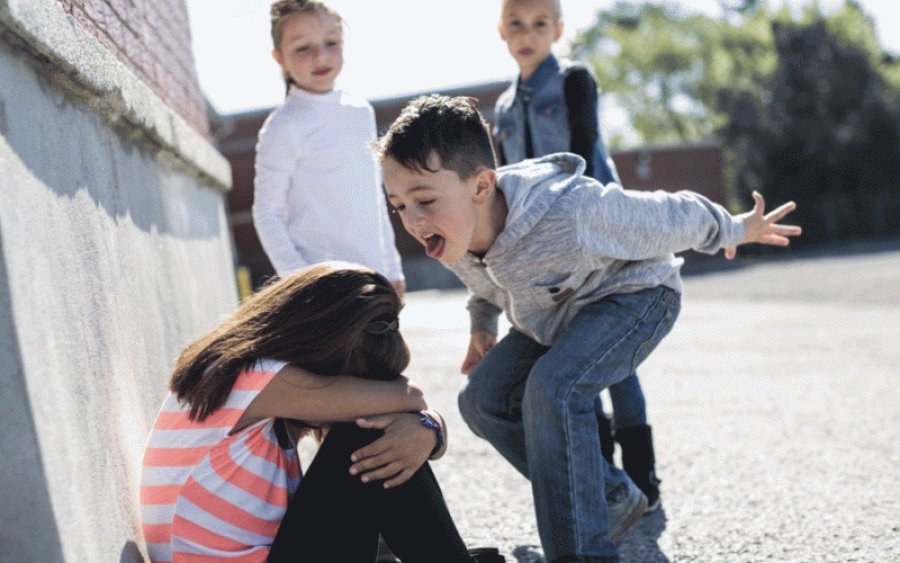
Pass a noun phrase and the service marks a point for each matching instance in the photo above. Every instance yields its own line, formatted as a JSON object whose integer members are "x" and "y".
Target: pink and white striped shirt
{"x": 206, "y": 494}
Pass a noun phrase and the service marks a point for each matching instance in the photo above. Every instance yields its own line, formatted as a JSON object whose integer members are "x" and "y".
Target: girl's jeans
{"x": 334, "y": 516}
{"x": 535, "y": 405}
{"x": 629, "y": 406}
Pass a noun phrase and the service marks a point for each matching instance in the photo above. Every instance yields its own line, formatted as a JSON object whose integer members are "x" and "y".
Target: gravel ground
{"x": 774, "y": 406}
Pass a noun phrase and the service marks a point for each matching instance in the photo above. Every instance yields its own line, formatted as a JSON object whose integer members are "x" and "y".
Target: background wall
{"x": 114, "y": 253}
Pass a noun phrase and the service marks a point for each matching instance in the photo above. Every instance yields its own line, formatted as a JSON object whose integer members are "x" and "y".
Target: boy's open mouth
{"x": 434, "y": 245}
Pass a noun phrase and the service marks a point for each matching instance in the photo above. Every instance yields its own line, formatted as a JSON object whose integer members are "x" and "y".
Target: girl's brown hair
{"x": 329, "y": 318}
{"x": 280, "y": 11}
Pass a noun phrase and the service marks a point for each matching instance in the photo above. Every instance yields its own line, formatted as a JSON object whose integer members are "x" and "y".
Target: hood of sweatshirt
{"x": 527, "y": 204}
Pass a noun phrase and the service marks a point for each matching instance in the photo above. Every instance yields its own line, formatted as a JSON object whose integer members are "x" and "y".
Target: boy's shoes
{"x": 625, "y": 507}
{"x": 486, "y": 555}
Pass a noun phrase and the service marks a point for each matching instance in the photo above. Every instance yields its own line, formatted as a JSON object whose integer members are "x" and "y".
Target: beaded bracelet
{"x": 428, "y": 421}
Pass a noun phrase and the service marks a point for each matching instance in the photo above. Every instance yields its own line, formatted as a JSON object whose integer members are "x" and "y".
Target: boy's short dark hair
{"x": 451, "y": 127}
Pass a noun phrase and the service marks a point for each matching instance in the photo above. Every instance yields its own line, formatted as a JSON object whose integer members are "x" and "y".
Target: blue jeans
{"x": 535, "y": 405}
{"x": 629, "y": 406}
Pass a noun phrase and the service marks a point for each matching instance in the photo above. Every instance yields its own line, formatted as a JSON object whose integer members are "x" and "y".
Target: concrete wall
{"x": 114, "y": 253}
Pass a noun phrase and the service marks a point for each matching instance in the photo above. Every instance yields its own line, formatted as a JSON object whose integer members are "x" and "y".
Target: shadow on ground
{"x": 640, "y": 544}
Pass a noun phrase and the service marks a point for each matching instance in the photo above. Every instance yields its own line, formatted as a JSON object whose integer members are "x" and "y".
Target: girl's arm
{"x": 390, "y": 256}
{"x": 581, "y": 102}
{"x": 584, "y": 125}
{"x": 299, "y": 394}
{"x": 276, "y": 157}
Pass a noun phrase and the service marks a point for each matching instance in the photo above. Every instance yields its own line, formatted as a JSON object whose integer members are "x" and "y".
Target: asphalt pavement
{"x": 775, "y": 410}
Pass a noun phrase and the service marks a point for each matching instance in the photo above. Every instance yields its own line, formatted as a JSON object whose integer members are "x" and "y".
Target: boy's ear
{"x": 560, "y": 27}
{"x": 485, "y": 180}
{"x": 500, "y": 31}
{"x": 276, "y": 56}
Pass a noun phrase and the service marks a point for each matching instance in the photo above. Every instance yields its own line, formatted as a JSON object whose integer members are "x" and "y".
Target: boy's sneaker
{"x": 625, "y": 507}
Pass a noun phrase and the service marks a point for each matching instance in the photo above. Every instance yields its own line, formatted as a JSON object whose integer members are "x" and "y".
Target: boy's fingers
{"x": 758, "y": 202}
{"x": 780, "y": 211}
{"x": 469, "y": 363}
{"x": 776, "y": 240}
{"x": 787, "y": 230}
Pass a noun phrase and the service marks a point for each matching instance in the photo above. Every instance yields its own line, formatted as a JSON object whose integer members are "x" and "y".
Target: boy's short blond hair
{"x": 554, "y": 4}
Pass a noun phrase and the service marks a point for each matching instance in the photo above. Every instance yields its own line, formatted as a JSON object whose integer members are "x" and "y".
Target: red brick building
{"x": 152, "y": 39}
{"x": 697, "y": 167}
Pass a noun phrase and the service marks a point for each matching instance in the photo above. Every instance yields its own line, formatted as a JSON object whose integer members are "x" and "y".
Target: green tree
{"x": 829, "y": 136}
{"x": 806, "y": 106}
{"x": 667, "y": 66}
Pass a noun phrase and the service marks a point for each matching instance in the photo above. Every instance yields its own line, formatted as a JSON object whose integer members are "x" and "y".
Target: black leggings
{"x": 334, "y": 516}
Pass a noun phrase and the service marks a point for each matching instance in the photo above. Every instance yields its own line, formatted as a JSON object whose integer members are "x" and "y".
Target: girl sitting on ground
{"x": 318, "y": 352}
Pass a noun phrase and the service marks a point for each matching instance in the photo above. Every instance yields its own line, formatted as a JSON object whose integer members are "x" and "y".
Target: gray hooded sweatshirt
{"x": 569, "y": 241}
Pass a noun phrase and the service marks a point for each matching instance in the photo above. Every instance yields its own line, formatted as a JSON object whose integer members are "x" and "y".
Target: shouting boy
{"x": 587, "y": 276}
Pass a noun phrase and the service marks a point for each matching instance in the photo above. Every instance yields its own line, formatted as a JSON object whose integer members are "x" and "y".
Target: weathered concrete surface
{"x": 113, "y": 255}
{"x": 775, "y": 407}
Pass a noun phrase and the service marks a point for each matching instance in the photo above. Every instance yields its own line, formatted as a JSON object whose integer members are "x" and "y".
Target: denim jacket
{"x": 569, "y": 241}
{"x": 542, "y": 96}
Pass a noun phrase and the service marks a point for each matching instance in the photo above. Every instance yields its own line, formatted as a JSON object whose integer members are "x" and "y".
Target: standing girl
{"x": 312, "y": 352}
{"x": 317, "y": 189}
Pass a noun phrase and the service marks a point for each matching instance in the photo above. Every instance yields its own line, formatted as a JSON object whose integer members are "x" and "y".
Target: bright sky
{"x": 395, "y": 47}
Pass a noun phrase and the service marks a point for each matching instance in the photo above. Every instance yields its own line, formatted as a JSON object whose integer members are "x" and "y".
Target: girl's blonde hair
{"x": 281, "y": 10}
{"x": 331, "y": 319}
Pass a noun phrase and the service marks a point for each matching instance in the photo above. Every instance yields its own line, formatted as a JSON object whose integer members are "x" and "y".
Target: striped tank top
{"x": 206, "y": 495}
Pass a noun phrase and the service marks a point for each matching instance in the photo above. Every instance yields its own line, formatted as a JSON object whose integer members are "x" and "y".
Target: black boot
{"x": 607, "y": 445}
{"x": 639, "y": 462}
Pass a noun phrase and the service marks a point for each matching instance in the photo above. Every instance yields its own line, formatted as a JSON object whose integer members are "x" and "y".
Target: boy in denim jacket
{"x": 552, "y": 107}
{"x": 587, "y": 276}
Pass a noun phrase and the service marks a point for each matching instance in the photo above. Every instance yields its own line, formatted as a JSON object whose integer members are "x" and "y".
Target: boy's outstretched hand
{"x": 765, "y": 229}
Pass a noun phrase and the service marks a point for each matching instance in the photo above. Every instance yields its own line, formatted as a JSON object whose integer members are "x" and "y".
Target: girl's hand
{"x": 400, "y": 286}
{"x": 765, "y": 229}
{"x": 480, "y": 343}
{"x": 398, "y": 454}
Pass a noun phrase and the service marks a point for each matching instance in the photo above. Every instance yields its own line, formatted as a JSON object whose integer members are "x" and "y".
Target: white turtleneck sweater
{"x": 318, "y": 190}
